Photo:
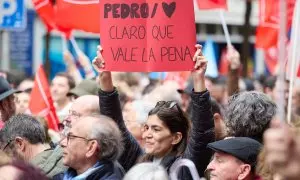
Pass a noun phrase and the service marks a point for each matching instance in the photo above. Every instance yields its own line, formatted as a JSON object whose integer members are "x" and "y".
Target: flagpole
{"x": 47, "y": 64}
{"x": 64, "y": 43}
{"x": 225, "y": 28}
{"x": 293, "y": 59}
{"x": 282, "y": 50}
{"x": 75, "y": 45}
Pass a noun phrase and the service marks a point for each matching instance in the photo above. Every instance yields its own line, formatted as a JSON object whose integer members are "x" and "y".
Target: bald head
{"x": 86, "y": 105}
{"x": 83, "y": 106}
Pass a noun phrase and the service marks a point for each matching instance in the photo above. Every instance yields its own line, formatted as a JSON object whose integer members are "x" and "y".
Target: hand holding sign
{"x": 98, "y": 62}
{"x": 200, "y": 69}
{"x": 148, "y": 36}
{"x": 105, "y": 79}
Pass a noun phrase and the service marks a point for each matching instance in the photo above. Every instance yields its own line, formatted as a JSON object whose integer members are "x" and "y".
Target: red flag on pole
{"x": 268, "y": 28}
{"x": 41, "y": 103}
{"x": 224, "y": 63}
{"x": 212, "y": 4}
{"x": 271, "y": 60}
{"x": 78, "y": 14}
{"x": 45, "y": 10}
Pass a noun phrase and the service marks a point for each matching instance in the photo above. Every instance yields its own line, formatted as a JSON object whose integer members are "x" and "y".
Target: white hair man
{"x": 90, "y": 149}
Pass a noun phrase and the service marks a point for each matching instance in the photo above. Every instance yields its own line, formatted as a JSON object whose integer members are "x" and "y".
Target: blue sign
{"x": 12, "y": 14}
{"x": 21, "y": 46}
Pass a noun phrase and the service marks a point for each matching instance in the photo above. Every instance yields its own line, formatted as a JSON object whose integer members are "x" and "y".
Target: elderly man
{"x": 7, "y": 105}
{"x": 82, "y": 106}
{"x": 234, "y": 159}
{"x": 24, "y": 137}
{"x": 90, "y": 149}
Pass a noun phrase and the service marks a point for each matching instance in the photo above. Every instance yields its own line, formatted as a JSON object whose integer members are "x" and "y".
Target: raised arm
{"x": 202, "y": 131}
{"x": 233, "y": 71}
{"x": 71, "y": 67}
{"x": 111, "y": 107}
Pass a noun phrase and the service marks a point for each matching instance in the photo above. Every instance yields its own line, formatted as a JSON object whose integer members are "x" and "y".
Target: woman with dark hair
{"x": 167, "y": 134}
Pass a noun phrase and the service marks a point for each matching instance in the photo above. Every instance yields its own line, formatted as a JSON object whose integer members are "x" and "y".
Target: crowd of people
{"x": 134, "y": 126}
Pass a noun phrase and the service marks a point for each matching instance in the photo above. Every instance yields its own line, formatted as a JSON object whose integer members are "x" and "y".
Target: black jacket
{"x": 106, "y": 172}
{"x": 202, "y": 132}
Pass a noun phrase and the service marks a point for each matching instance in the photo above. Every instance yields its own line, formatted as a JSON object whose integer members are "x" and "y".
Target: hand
{"x": 98, "y": 62}
{"x": 200, "y": 62}
{"x": 69, "y": 60}
{"x": 282, "y": 150}
{"x": 233, "y": 57}
{"x": 199, "y": 70}
{"x": 105, "y": 79}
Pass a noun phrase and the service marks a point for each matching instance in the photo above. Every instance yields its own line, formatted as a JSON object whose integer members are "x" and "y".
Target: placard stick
{"x": 282, "y": 54}
{"x": 225, "y": 28}
{"x": 294, "y": 58}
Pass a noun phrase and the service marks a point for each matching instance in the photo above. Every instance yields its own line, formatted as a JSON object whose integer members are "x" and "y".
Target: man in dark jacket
{"x": 90, "y": 149}
{"x": 234, "y": 159}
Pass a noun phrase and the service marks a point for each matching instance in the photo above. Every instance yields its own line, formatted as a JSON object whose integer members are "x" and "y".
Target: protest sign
{"x": 149, "y": 35}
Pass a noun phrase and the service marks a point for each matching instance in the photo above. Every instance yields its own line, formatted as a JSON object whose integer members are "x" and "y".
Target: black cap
{"x": 5, "y": 89}
{"x": 243, "y": 148}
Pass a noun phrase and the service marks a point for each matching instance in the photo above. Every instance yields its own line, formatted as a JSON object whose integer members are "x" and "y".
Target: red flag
{"x": 267, "y": 30}
{"x": 224, "y": 63}
{"x": 271, "y": 59}
{"x": 41, "y": 103}
{"x": 45, "y": 10}
{"x": 212, "y": 4}
{"x": 78, "y": 14}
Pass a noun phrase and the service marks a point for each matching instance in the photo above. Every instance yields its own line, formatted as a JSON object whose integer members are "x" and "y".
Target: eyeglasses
{"x": 71, "y": 136}
{"x": 74, "y": 114}
{"x": 169, "y": 105}
{"x": 7, "y": 144}
{"x": 67, "y": 121}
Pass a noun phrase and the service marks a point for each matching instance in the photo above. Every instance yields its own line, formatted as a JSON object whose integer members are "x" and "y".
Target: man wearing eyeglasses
{"x": 90, "y": 149}
{"x": 82, "y": 106}
{"x": 23, "y": 137}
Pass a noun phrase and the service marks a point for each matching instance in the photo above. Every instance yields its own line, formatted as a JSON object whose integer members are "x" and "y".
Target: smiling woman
{"x": 166, "y": 134}
{"x": 166, "y": 125}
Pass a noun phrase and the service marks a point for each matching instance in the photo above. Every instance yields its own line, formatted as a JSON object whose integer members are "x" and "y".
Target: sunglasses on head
{"x": 169, "y": 105}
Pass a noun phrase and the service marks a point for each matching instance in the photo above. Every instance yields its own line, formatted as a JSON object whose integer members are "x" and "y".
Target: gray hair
{"x": 108, "y": 136}
{"x": 248, "y": 114}
{"x": 24, "y": 126}
{"x": 146, "y": 171}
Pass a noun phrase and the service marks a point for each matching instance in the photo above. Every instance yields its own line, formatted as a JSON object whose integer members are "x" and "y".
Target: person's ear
{"x": 177, "y": 137}
{"x": 245, "y": 170}
{"x": 20, "y": 144}
{"x": 92, "y": 148}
